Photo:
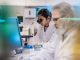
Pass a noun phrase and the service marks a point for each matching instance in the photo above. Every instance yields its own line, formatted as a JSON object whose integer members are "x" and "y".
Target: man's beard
{"x": 61, "y": 30}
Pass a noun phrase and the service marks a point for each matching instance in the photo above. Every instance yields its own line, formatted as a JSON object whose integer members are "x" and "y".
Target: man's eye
{"x": 55, "y": 19}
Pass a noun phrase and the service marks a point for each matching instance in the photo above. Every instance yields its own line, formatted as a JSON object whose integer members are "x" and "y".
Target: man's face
{"x": 43, "y": 21}
{"x": 56, "y": 18}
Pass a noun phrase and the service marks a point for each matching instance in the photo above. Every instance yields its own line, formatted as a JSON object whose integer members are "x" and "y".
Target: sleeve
{"x": 47, "y": 53}
{"x": 49, "y": 32}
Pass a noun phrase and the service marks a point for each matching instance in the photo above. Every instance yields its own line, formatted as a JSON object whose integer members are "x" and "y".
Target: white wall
{"x": 50, "y": 2}
{"x": 17, "y": 10}
{"x": 13, "y": 2}
{"x": 38, "y": 2}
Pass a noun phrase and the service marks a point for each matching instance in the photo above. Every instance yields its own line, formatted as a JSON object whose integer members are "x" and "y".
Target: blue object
{"x": 2, "y": 20}
{"x": 13, "y": 33}
{"x": 28, "y": 46}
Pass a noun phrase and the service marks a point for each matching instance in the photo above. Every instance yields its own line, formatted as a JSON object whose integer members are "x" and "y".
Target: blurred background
{"x": 25, "y": 11}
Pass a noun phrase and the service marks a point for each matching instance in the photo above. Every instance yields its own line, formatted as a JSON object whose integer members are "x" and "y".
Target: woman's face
{"x": 44, "y": 21}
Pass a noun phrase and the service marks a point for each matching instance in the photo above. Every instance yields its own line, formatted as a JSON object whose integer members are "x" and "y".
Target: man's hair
{"x": 65, "y": 9}
{"x": 45, "y": 13}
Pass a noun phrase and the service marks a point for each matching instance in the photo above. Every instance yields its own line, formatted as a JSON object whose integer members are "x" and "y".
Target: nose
{"x": 55, "y": 22}
{"x": 41, "y": 23}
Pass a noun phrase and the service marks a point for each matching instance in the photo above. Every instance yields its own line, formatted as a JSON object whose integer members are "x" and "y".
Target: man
{"x": 68, "y": 48}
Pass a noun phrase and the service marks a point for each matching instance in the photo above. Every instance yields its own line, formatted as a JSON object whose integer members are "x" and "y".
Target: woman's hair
{"x": 45, "y": 13}
{"x": 65, "y": 9}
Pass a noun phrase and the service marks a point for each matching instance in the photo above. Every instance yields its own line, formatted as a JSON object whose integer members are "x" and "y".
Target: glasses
{"x": 55, "y": 19}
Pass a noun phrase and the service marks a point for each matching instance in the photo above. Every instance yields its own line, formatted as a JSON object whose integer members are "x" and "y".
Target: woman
{"x": 46, "y": 28}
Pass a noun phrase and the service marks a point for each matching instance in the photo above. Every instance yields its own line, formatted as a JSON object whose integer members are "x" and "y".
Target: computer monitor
{"x": 13, "y": 33}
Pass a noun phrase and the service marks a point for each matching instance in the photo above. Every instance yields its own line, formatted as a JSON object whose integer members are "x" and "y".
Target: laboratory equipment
{"x": 20, "y": 19}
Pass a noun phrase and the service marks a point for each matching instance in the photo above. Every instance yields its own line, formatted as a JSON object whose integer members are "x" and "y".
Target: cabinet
{"x": 30, "y": 13}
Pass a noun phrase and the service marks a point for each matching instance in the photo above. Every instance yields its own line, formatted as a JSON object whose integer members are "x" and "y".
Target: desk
{"x": 23, "y": 56}
{"x": 26, "y": 54}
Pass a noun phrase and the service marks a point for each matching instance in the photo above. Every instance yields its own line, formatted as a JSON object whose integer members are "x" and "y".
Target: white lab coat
{"x": 56, "y": 49}
{"x": 45, "y": 36}
{"x": 64, "y": 50}
{"x": 47, "y": 53}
